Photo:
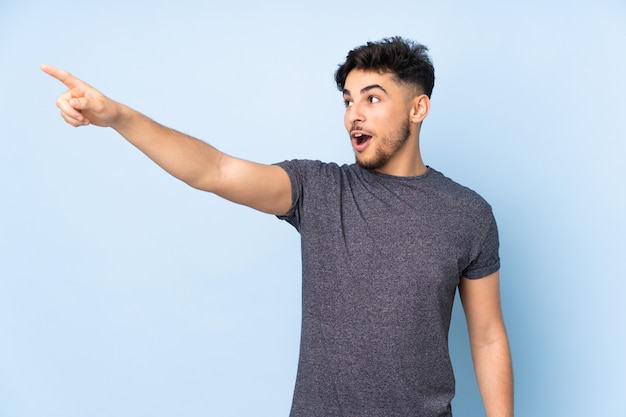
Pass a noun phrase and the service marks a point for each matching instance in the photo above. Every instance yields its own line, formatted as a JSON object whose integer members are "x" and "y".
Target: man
{"x": 385, "y": 242}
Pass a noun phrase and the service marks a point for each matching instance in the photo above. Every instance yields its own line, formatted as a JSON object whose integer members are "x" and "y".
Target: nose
{"x": 354, "y": 114}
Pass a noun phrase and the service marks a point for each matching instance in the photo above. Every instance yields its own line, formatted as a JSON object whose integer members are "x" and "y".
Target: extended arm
{"x": 263, "y": 187}
{"x": 489, "y": 343}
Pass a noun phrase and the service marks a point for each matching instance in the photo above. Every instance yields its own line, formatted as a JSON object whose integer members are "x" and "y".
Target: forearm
{"x": 264, "y": 187}
{"x": 494, "y": 373}
{"x": 186, "y": 158}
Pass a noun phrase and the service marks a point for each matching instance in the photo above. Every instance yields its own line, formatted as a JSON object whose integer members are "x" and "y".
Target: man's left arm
{"x": 489, "y": 343}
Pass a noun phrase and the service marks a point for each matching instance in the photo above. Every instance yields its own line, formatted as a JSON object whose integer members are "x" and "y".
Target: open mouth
{"x": 361, "y": 138}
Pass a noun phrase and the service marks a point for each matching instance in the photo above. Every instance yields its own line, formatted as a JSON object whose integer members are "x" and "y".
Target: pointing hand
{"x": 82, "y": 104}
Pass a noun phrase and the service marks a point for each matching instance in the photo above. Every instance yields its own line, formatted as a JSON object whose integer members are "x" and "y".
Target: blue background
{"x": 124, "y": 292}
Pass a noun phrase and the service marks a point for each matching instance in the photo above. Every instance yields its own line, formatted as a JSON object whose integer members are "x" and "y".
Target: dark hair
{"x": 408, "y": 60}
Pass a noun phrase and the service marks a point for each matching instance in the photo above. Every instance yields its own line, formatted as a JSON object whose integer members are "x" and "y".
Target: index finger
{"x": 65, "y": 77}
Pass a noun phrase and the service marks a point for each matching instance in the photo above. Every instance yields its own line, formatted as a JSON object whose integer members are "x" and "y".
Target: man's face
{"x": 377, "y": 117}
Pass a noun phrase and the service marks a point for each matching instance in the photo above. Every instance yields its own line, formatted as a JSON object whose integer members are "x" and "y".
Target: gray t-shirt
{"x": 382, "y": 257}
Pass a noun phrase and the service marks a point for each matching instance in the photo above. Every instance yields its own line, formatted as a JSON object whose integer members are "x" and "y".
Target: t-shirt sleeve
{"x": 485, "y": 259}
{"x": 294, "y": 169}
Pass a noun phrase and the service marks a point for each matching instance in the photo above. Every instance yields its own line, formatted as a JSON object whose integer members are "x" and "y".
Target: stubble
{"x": 388, "y": 147}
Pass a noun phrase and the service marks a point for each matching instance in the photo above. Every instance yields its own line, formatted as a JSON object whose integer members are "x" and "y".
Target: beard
{"x": 387, "y": 148}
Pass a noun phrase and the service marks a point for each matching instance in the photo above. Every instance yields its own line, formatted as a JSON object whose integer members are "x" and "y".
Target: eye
{"x": 373, "y": 99}
{"x": 347, "y": 102}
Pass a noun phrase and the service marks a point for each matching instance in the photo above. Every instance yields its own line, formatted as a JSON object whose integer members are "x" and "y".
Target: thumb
{"x": 94, "y": 107}
{"x": 89, "y": 101}
{"x": 80, "y": 103}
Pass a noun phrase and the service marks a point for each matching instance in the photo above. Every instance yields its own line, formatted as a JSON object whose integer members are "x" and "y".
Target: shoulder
{"x": 457, "y": 195}
{"x": 310, "y": 164}
{"x": 307, "y": 169}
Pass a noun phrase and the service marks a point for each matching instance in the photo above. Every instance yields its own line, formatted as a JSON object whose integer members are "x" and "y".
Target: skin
{"x": 378, "y": 107}
{"x": 489, "y": 343}
{"x": 263, "y": 187}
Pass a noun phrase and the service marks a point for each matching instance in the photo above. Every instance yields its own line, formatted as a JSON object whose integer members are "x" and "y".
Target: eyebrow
{"x": 366, "y": 89}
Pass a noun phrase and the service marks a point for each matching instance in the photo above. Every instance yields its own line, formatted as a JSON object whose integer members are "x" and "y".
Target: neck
{"x": 407, "y": 161}
{"x": 411, "y": 170}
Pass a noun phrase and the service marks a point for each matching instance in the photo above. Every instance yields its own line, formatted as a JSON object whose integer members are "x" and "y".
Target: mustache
{"x": 360, "y": 129}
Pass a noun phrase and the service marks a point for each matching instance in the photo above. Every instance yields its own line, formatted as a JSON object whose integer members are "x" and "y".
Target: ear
{"x": 420, "y": 106}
